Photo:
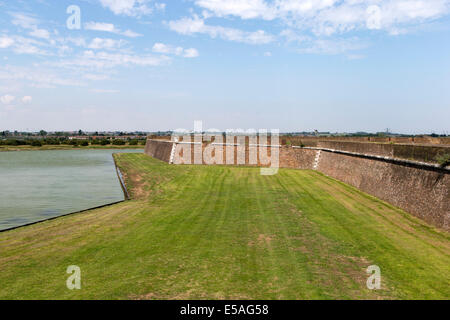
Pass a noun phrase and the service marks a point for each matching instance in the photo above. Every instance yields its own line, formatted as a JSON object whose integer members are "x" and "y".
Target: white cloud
{"x": 79, "y": 42}
{"x": 293, "y": 36}
{"x": 332, "y": 46}
{"x": 127, "y": 7}
{"x": 160, "y": 6}
{"x": 163, "y": 48}
{"x": 7, "y": 99}
{"x": 109, "y": 27}
{"x": 40, "y": 33}
{"x": 6, "y": 42}
{"x": 96, "y": 77}
{"x": 105, "y": 60}
{"x": 23, "y": 20}
{"x": 131, "y": 34}
{"x": 100, "y": 26}
{"x": 108, "y": 44}
{"x": 28, "y": 46}
{"x": 326, "y": 17}
{"x": 27, "y": 99}
{"x": 189, "y": 26}
{"x": 191, "y": 53}
{"x": 179, "y": 51}
{"x": 267, "y": 54}
{"x": 28, "y": 22}
{"x": 38, "y": 78}
{"x": 245, "y": 9}
{"x": 315, "y": 26}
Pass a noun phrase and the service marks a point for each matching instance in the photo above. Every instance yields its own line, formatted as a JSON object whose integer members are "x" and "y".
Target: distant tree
{"x": 43, "y": 133}
{"x": 105, "y": 142}
{"x": 84, "y": 143}
{"x": 36, "y": 143}
{"x": 118, "y": 142}
{"x": 12, "y": 142}
{"x": 80, "y": 132}
{"x": 51, "y": 141}
{"x": 133, "y": 142}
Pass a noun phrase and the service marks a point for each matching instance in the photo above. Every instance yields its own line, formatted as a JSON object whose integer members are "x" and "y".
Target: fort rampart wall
{"x": 420, "y": 189}
{"x": 404, "y": 151}
{"x": 159, "y": 149}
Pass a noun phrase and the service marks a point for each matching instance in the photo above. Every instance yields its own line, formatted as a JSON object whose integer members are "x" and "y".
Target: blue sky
{"x": 293, "y": 65}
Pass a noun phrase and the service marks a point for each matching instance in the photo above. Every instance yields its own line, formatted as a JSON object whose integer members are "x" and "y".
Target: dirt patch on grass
{"x": 190, "y": 295}
{"x": 261, "y": 240}
{"x": 135, "y": 183}
{"x": 140, "y": 190}
{"x": 330, "y": 267}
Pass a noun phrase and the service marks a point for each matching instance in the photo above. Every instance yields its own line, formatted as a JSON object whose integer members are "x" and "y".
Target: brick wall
{"x": 310, "y": 141}
{"x": 297, "y": 158}
{"x": 158, "y": 149}
{"x": 366, "y": 148}
{"x": 288, "y": 157}
{"x": 421, "y": 192}
{"x": 402, "y": 151}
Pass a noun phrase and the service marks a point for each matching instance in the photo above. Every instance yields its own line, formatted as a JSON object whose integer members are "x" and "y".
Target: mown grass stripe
{"x": 196, "y": 232}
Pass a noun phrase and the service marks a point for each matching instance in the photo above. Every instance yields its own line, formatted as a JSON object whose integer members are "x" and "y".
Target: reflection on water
{"x": 37, "y": 185}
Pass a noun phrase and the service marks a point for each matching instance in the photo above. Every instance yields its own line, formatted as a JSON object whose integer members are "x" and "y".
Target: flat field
{"x": 220, "y": 232}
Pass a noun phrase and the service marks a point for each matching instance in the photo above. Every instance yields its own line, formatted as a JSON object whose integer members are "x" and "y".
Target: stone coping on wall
{"x": 411, "y": 144}
{"x": 411, "y": 163}
{"x": 405, "y": 162}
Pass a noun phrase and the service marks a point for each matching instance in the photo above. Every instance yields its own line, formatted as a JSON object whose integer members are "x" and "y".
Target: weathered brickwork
{"x": 420, "y": 191}
{"x": 423, "y": 193}
{"x": 311, "y": 141}
{"x": 297, "y": 158}
{"x": 158, "y": 149}
{"x": 365, "y": 148}
{"x": 401, "y": 151}
{"x": 288, "y": 157}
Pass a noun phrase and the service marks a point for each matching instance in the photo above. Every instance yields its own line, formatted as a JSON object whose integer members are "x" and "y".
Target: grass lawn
{"x": 197, "y": 232}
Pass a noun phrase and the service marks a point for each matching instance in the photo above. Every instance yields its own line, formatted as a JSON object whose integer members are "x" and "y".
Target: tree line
{"x": 72, "y": 142}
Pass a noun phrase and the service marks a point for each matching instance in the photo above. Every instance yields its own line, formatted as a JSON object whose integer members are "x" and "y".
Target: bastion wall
{"x": 418, "y": 189}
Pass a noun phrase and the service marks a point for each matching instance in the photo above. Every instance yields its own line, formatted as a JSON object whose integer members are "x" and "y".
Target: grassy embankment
{"x": 67, "y": 147}
{"x": 228, "y": 232}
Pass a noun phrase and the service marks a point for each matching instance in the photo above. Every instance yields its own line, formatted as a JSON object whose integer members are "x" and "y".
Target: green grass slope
{"x": 197, "y": 232}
